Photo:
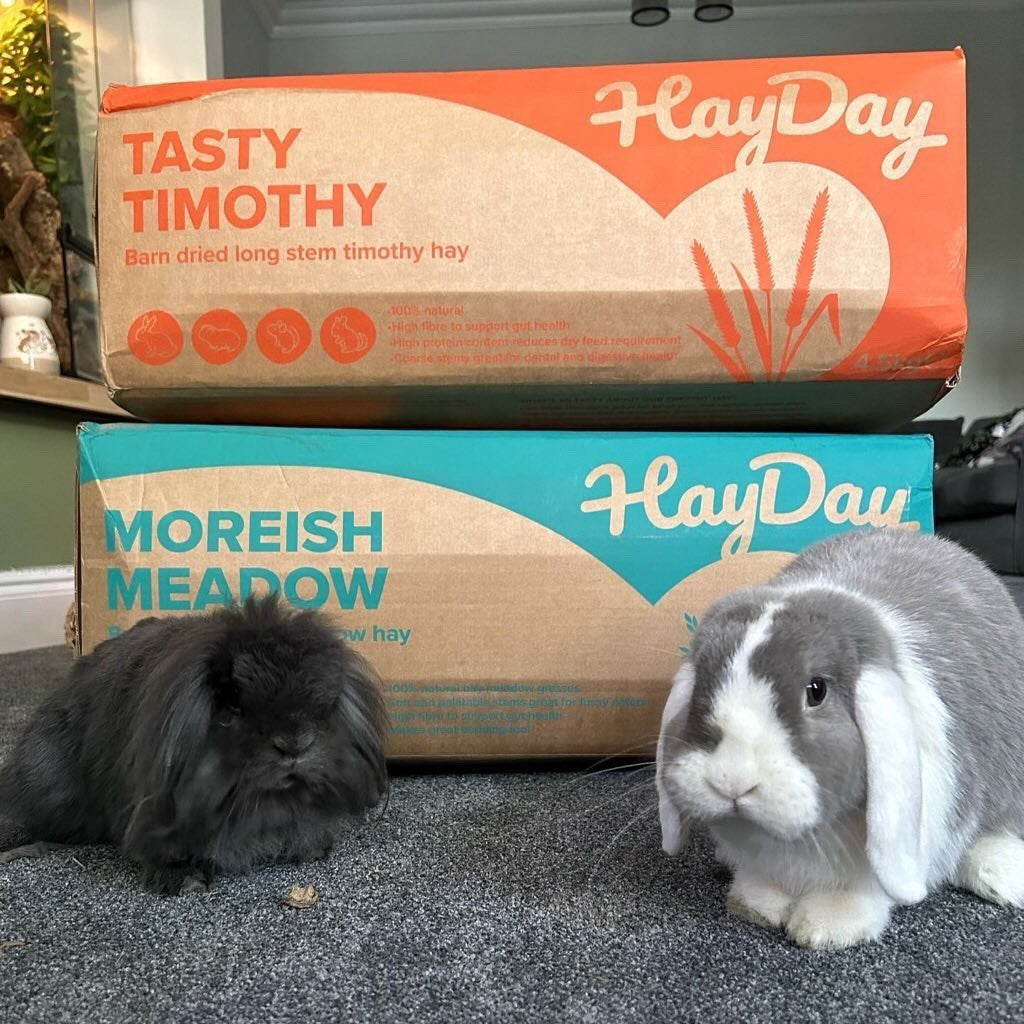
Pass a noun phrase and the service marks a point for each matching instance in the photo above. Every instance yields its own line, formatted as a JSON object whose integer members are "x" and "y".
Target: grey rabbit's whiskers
{"x": 647, "y": 812}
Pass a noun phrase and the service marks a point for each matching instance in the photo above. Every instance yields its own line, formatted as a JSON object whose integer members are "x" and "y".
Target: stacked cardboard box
{"x": 770, "y": 245}
{"x": 521, "y": 593}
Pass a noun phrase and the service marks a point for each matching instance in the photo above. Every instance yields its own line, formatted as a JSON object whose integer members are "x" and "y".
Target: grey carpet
{"x": 479, "y": 897}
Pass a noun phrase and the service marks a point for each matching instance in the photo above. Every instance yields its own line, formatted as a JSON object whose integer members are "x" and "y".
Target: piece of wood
{"x": 30, "y": 230}
{"x": 67, "y": 392}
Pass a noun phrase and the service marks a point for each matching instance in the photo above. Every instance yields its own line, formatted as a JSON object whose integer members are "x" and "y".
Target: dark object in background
{"x": 982, "y": 508}
{"x": 946, "y": 435}
{"x": 989, "y": 440}
{"x": 979, "y": 492}
{"x": 201, "y": 745}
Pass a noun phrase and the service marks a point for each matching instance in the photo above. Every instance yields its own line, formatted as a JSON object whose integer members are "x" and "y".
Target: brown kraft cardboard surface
{"x": 739, "y": 243}
{"x": 521, "y": 594}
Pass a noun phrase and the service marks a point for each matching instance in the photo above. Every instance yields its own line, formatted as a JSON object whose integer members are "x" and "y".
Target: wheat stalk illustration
{"x": 765, "y": 279}
{"x": 732, "y": 359}
{"x": 798, "y": 325}
{"x": 804, "y": 274}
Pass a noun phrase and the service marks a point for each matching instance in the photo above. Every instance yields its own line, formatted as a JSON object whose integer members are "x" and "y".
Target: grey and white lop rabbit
{"x": 852, "y": 733}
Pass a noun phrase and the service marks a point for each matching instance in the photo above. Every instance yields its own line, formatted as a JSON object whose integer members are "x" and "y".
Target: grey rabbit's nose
{"x": 293, "y": 746}
{"x": 731, "y": 789}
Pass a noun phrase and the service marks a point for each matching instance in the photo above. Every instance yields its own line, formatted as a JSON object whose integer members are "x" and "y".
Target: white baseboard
{"x": 33, "y": 606}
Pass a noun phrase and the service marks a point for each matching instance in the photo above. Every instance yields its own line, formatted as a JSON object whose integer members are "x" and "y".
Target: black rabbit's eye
{"x": 817, "y": 691}
{"x": 227, "y": 716}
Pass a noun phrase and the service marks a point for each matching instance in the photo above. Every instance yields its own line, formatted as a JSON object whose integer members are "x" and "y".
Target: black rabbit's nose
{"x": 293, "y": 746}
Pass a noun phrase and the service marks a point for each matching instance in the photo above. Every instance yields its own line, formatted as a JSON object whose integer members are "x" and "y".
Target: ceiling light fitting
{"x": 712, "y": 12}
{"x": 646, "y": 14}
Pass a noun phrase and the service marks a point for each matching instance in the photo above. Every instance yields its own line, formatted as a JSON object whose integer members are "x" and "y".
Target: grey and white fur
{"x": 852, "y": 733}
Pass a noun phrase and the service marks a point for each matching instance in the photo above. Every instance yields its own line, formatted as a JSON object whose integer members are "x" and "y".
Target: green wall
{"x": 37, "y": 485}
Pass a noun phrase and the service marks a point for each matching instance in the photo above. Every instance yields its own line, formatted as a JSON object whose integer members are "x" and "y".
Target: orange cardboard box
{"x": 743, "y": 243}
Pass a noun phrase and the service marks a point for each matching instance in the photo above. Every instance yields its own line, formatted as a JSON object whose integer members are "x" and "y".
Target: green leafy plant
{"x": 32, "y": 285}
{"x": 27, "y": 88}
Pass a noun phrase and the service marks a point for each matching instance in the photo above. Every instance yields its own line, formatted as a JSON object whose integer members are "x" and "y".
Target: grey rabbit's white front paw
{"x": 758, "y": 901}
{"x": 838, "y": 919}
{"x": 994, "y": 870}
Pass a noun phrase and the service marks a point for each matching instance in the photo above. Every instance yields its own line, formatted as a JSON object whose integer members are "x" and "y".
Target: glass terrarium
{"x": 90, "y": 47}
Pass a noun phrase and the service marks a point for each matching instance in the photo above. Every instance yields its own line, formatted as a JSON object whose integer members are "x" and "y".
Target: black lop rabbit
{"x": 202, "y": 745}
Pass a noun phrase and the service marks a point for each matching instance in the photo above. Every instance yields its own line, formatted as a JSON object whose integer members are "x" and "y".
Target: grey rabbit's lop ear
{"x": 896, "y": 845}
{"x": 674, "y": 828}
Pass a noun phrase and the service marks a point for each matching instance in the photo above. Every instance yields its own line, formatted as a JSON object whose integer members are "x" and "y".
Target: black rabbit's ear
{"x": 361, "y": 700}
{"x": 176, "y": 715}
{"x": 188, "y": 710}
{"x": 174, "y": 723}
{"x": 361, "y": 690}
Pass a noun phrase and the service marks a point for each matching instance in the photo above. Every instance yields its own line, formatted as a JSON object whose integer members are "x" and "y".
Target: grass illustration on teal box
{"x": 692, "y": 622}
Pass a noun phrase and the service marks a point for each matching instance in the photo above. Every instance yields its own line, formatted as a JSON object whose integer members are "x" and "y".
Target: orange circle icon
{"x": 283, "y": 335}
{"x": 155, "y": 337}
{"x": 347, "y": 334}
{"x": 219, "y": 336}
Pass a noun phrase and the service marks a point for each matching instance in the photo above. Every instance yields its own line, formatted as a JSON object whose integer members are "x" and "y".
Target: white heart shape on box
{"x": 537, "y": 216}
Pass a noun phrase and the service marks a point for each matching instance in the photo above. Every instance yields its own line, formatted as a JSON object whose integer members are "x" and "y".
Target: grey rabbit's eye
{"x": 816, "y": 691}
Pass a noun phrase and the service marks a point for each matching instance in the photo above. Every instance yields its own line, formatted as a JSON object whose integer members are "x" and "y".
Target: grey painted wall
{"x": 38, "y": 481}
{"x": 246, "y": 47}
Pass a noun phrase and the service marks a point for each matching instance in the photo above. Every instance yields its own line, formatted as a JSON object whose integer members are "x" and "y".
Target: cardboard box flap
{"x": 837, "y": 406}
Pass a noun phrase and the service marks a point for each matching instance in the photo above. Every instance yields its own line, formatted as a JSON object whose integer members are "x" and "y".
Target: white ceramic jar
{"x": 25, "y": 340}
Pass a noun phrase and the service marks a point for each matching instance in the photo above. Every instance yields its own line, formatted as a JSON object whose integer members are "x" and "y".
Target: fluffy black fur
{"x": 201, "y": 745}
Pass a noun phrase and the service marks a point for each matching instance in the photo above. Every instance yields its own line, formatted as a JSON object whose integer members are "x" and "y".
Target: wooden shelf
{"x": 66, "y": 392}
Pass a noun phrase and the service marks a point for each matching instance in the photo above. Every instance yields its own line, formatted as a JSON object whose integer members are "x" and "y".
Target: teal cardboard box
{"x": 521, "y": 594}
